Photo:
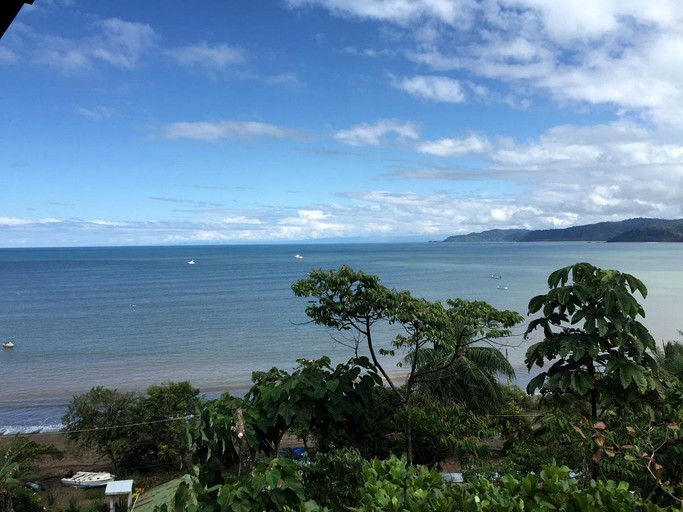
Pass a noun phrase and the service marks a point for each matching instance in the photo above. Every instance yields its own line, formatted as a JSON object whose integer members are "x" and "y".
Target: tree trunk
{"x": 246, "y": 459}
{"x": 409, "y": 436}
{"x": 594, "y": 417}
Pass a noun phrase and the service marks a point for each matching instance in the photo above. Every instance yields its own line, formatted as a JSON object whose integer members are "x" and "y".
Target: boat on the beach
{"x": 86, "y": 479}
{"x": 7, "y": 344}
{"x": 298, "y": 256}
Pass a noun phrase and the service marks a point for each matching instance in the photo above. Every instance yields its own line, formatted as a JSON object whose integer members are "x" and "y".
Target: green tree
{"x": 104, "y": 420}
{"x": 164, "y": 412}
{"x": 671, "y": 358}
{"x": 601, "y": 351}
{"x": 472, "y": 378}
{"x": 355, "y": 302}
{"x": 316, "y": 398}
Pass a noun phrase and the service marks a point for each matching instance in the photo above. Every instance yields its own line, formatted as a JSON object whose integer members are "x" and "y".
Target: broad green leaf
{"x": 536, "y": 303}
{"x": 536, "y": 383}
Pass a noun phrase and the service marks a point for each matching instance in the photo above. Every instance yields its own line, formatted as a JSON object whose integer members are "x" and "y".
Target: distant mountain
{"x": 672, "y": 232}
{"x": 493, "y": 235}
{"x": 631, "y": 230}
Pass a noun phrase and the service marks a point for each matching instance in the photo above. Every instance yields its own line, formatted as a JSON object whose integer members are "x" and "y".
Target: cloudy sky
{"x": 135, "y": 122}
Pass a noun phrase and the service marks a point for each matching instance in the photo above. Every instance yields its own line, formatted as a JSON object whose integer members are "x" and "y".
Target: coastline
{"x": 126, "y": 318}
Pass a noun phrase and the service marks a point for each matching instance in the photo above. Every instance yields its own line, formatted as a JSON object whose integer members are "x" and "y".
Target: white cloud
{"x": 396, "y": 11}
{"x": 283, "y": 79}
{"x": 373, "y": 134}
{"x": 117, "y": 42}
{"x": 241, "y": 220}
{"x": 219, "y": 130}
{"x": 109, "y": 223}
{"x": 98, "y": 113}
{"x": 7, "y": 56}
{"x": 433, "y": 88}
{"x": 455, "y": 147}
{"x": 312, "y": 215}
{"x": 214, "y": 57}
{"x": 17, "y": 221}
{"x": 625, "y": 54}
{"x": 121, "y": 43}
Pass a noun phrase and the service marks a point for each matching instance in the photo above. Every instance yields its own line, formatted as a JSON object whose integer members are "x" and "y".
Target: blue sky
{"x": 246, "y": 121}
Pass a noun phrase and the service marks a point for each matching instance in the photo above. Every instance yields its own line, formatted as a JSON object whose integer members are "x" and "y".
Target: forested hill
{"x": 631, "y": 230}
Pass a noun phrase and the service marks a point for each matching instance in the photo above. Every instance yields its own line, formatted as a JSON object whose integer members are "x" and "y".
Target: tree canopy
{"x": 591, "y": 329}
{"x": 349, "y": 300}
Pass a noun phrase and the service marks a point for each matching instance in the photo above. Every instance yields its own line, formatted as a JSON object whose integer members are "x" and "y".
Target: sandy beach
{"x": 49, "y": 472}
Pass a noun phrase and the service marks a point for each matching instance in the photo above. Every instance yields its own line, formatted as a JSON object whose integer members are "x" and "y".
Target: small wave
{"x": 10, "y": 430}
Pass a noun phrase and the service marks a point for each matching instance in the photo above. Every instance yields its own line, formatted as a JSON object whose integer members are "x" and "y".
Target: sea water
{"x": 130, "y": 317}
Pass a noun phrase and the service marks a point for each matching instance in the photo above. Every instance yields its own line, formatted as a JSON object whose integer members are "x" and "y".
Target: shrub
{"x": 335, "y": 478}
{"x": 443, "y": 430}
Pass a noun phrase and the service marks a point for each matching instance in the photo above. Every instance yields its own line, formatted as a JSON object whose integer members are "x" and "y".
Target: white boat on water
{"x": 86, "y": 479}
{"x": 191, "y": 262}
{"x": 298, "y": 256}
{"x": 7, "y": 344}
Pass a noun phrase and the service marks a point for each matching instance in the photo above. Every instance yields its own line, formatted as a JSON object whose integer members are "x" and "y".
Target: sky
{"x": 149, "y": 122}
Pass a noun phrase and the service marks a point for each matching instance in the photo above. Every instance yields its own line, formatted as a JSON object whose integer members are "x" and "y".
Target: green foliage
{"x": 272, "y": 485}
{"x": 441, "y": 430}
{"x": 589, "y": 320}
{"x": 625, "y": 445}
{"x": 552, "y": 436}
{"x": 101, "y": 419}
{"x": 334, "y": 479}
{"x": 470, "y": 380}
{"x": 643, "y": 452}
{"x": 551, "y": 489}
{"x": 216, "y": 448}
{"x": 392, "y": 485}
{"x": 671, "y": 358}
{"x": 164, "y": 413}
{"x": 347, "y": 300}
{"x": 17, "y": 463}
{"x": 131, "y": 429}
{"x": 316, "y": 398}
{"x": 515, "y": 416}
{"x": 25, "y": 500}
{"x": 374, "y": 432}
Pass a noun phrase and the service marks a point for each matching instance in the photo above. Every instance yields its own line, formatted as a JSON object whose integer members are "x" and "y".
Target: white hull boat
{"x": 7, "y": 344}
{"x": 87, "y": 479}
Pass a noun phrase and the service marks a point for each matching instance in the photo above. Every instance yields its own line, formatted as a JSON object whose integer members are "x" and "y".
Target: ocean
{"x": 130, "y": 317}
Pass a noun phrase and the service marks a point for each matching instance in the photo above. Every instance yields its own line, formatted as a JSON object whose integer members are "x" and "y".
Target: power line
{"x": 111, "y": 427}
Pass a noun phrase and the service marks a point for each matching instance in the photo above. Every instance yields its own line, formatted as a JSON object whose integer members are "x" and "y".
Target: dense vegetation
{"x": 599, "y": 429}
{"x": 134, "y": 431}
{"x": 630, "y": 230}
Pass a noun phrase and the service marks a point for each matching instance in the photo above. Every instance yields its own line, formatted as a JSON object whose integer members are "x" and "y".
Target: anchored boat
{"x": 86, "y": 479}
